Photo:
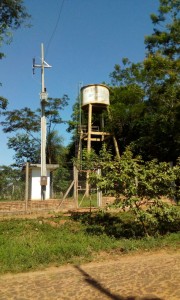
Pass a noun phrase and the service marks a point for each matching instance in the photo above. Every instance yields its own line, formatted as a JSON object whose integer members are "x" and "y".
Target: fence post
{"x": 27, "y": 186}
{"x": 99, "y": 192}
{"x": 75, "y": 185}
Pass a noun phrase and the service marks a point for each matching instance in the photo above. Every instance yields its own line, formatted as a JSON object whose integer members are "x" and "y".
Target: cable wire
{"x": 55, "y": 27}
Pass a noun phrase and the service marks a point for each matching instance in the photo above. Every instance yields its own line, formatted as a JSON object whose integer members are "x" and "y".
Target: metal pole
{"x": 42, "y": 68}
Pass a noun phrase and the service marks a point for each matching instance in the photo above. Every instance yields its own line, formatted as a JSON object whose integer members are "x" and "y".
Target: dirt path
{"x": 128, "y": 277}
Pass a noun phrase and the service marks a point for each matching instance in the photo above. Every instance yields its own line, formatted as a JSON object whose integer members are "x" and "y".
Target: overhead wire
{"x": 55, "y": 27}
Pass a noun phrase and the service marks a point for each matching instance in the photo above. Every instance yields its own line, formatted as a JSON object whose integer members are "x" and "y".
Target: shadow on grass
{"x": 118, "y": 226}
{"x": 123, "y": 225}
{"x": 98, "y": 286}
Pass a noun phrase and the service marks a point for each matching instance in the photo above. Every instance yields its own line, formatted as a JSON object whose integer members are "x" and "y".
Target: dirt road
{"x": 126, "y": 277}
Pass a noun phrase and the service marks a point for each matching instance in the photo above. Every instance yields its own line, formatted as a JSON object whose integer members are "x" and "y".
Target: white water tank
{"x": 95, "y": 94}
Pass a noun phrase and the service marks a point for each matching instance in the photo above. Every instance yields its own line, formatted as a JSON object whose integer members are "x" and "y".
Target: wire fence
{"x": 63, "y": 195}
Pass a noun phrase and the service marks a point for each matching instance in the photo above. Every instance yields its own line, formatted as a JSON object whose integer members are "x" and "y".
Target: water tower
{"x": 94, "y": 102}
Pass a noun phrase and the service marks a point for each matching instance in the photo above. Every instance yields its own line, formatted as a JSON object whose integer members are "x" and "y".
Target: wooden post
{"x": 75, "y": 185}
{"x": 116, "y": 147}
{"x": 99, "y": 192}
{"x": 27, "y": 186}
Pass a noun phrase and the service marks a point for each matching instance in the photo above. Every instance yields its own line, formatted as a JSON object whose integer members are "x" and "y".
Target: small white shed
{"x": 35, "y": 181}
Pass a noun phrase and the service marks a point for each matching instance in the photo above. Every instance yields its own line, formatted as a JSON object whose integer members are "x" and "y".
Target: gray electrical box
{"x": 43, "y": 180}
{"x": 44, "y": 97}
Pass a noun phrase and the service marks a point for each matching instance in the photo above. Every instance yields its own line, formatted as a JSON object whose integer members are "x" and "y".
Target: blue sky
{"x": 90, "y": 38}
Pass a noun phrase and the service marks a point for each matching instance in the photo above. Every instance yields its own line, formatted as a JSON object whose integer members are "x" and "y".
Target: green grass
{"x": 34, "y": 244}
{"x": 90, "y": 201}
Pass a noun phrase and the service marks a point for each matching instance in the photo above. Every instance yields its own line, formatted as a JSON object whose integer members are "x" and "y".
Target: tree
{"x": 3, "y": 102}
{"x": 26, "y": 148}
{"x": 11, "y": 183}
{"x": 26, "y": 124}
{"x": 145, "y": 96}
{"x": 54, "y": 147}
{"x": 138, "y": 186}
{"x": 166, "y": 36}
{"x": 63, "y": 175}
{"x": 162, "y": 65}
{"x": 73, "y": 127}
{"x": 12, "y": 15}
{"x": 127, "y": 96}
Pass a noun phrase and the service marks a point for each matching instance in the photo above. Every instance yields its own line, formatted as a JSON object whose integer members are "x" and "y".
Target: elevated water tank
{"x": 95, "y": 94}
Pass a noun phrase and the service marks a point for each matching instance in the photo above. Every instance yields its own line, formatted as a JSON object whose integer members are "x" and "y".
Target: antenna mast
{"x": 43, "y": 99}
